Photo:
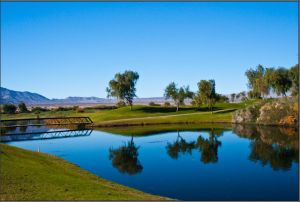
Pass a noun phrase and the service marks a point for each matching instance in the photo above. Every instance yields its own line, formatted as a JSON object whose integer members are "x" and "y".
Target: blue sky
{"x": 74, "y": 49}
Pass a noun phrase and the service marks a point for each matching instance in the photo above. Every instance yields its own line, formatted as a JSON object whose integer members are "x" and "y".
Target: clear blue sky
{"x": 74, "y": 49}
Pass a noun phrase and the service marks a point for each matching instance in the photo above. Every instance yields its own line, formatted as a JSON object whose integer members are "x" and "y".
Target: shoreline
{"x": 23, "y": 169}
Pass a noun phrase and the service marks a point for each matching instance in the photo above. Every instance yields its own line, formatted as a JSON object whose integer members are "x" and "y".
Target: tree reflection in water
{"x": 180, "y": 146}
{"x": 275, "y": 146}
{"x": 125, "y": 158}
{"x": 207, "y": 147}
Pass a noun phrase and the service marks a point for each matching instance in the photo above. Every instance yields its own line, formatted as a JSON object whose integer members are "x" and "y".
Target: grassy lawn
{"x": 27, "y": 175}
{"x": 142, "y": 114}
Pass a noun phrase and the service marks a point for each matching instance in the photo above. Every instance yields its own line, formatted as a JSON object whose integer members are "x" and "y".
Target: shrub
{"x": 75, "y": 108}
{"x": 101, "y": 107}
{"x": 153, "y": 104}
{"x": 59, "y": 109}
{"x": 121, "y": 104}
{"x": 22, "y": 107}
{"x": 79, "y": 110}
{"x": 9, "y": 109}
{"x": 278, "y": 112}
{"x": 167, "y": 104}
{"x": 39, "y": 109}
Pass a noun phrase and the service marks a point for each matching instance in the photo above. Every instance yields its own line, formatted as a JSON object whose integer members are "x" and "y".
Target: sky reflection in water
{"x": 242, "y": 163}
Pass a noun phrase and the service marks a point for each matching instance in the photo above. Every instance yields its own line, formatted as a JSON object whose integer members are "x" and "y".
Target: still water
{"x": 191, "y": 163}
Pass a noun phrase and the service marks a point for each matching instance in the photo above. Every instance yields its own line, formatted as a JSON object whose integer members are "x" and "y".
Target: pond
{"x": 183, "y": 162}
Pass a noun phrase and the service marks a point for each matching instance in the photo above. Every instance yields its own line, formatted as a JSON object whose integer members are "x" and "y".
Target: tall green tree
{"x": 294, "y": 77}
{"x": 177, "y": 94}
{"x": 279, "y": 80}
{"x": 22, "y": 107}
{"x": 123, "y": 86}
{"x": 256, "y": 81}
{"x": 207, "y": 92}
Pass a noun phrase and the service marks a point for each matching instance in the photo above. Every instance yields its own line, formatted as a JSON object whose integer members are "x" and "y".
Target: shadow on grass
{"x": 225, "y": 111}
{"x": 163, "y": 109}
{"x": 151, "y": 109}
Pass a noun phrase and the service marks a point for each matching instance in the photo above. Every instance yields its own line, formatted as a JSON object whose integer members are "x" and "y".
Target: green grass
{"x": 146, "y": 114}
{"x": 27, "y": 175}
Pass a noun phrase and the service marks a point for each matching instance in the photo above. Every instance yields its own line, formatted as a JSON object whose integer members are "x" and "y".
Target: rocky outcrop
{"x": 276, "y": 112}
{"x": 247, "y": 115}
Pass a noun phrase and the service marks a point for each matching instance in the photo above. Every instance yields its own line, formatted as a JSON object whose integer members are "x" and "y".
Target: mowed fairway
{"x": 27, "y": 175}
{"x": 142, "y": 114}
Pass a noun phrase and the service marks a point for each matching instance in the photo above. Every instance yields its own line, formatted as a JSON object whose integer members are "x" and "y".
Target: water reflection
{"x": 216, "y": 156}
{"x": 275, "y": 146}
{"x": 207, "y": 147}
{"x": 125, "y": 158}
{"x": 23, "y": 129}
{"x": 23, "y": 132}
{"x": 180, "y": 146}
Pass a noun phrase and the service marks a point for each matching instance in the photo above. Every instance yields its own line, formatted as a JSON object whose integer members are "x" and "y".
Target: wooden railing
{"x": 46, "y": 121}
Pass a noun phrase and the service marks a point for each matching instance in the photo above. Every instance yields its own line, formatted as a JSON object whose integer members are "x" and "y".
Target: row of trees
{"x": 241, "y": 95}
{"x": 280, "y": 80}
{"x": 123, "y": 88}
{"x": 11, "y": 109}
{"x": 260, "y": 80}
{"x": 206, "y": 94}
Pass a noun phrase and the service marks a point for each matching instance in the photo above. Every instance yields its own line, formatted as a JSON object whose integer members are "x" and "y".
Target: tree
{"x": 253, "y": 95}
{"x": 232, "y": 96}
{"x": 9, "y": 109}
{"x": 221, "y": 98}
{"x": 256, "y": 81}
{"x": 177, "y": 94}
{"x": 197, "y": 100}
{"x": 207, "y": 92}
{"x": 294, "y": 77}
{"x": 279, "y": 80}
{"x": 123, "y": 86}
{"x": 22, "y": 107}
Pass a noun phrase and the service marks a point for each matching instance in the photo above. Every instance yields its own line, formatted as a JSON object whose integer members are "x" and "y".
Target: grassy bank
{"x": 142, "y": 114}
{"x": 27, "y": 175}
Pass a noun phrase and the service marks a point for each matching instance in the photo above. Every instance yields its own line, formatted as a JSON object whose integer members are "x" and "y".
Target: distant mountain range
{"x": 15, "y": 97}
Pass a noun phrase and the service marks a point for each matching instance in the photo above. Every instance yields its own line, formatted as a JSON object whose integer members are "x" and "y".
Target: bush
{"x": 59, "y": 109}
{"x": 278, "y": 112}
{"x": 121, "y": 104}
{"x": 22, "y": 107}
{"x": 9, "y": 109}
{"x": 39, "y": 109}
{"x": 75, "y": 108}
{"x": 167, "y": 104}
{"x": 101, "y": 107}
{"x": 79, "y": 110}
{"x": 153, "y": 104}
